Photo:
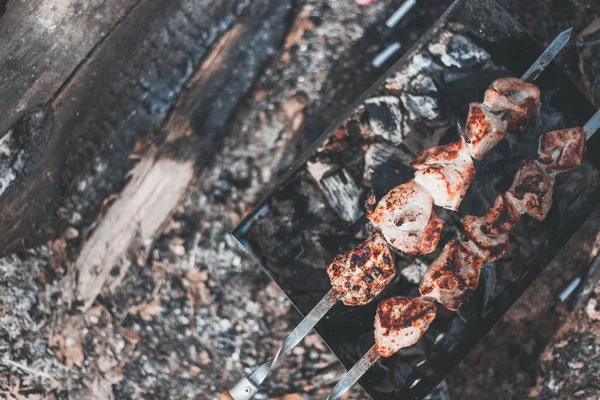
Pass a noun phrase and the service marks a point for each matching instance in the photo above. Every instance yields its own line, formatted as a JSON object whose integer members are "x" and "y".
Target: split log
{"x": 162, "y": 177}
{"x": 89, "y": 128}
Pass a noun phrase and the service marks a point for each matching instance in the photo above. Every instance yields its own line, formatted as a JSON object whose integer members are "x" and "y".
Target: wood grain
{"x": 161, "y": 179}
{"x": 121, "y": 92}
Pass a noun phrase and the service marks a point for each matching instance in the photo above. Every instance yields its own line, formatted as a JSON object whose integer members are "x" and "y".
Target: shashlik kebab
{"x": 405, "y": 215}
{"x": 453, "y": 277}
{"x": 358, "y": 279}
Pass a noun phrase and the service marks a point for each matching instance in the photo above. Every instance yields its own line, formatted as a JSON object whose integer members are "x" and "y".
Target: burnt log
{"x": 161, "y": 179}
{"x": 42, "y": 45}
{"x": 118, "y": 94}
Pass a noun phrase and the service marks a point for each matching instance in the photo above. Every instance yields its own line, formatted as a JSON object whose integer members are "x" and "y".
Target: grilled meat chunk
{"x": 400, "y": 322}
{"x": 501, "y": 217}
{"x": 489, "y": 247}
{"x": 562, "y": 151}
{"x": 516, "y": 100}
{"x": 405, "y": 217}
{"x": 484, "y": 130}
{"x": 531, "y": 190}
{"x": 453, "y": 277}
{"x": 446, "y": 172}
{"x": 360, "y": 274}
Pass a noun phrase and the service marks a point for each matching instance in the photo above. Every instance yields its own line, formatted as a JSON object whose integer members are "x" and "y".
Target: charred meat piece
{"x": 446, "y": 172}
{"x": 516, "y": 100}
{"x": 562, "y": 151}
{"x": 501, "y": 217}
{"x": 484, "y": 130}
{"x": 405, "y": 218}
{"x": 453, "y": 277}
{"x": 531, "y": 190}
{"x": 488, "y": 246}
{"x": 360, "y": 274}
{"x": 400, "y": 322}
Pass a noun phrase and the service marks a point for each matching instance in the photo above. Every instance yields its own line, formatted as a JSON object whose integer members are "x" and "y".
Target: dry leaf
{"x": 195, "y": 371}
{"x": 130, "y": 335}
{"x": 198, "y": 290}
{"x": 592, "y": 310}
{"x": 151, "y": 309}
{"x": 69, "y": 342}
{"x": 592, "y": 28}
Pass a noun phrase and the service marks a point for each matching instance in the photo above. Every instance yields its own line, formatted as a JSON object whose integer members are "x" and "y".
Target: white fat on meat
{"x": 484, "y": 130}
{"x": 446, "y": 172}
{"x": 406, "y": 219}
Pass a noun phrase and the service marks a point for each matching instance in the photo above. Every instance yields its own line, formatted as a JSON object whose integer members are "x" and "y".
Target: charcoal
{"x": 421, "y": 84}
{"x": 421, "y": 107}
{"x": 342, "y": 194}
{"x": 385, "y": 118}
{"x": 421, "y": 64}
{"x": 386, "y": 166}
{"x": 414, "y": 272}
{"x": 420, "y": 98}
{"x": 457, "y": 51}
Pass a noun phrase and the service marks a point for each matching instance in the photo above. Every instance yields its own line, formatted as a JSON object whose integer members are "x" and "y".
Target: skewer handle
{"x": 246, "y": 388}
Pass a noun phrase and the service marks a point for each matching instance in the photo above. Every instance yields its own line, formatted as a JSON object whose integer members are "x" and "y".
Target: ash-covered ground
{"x": 198, "y": 313}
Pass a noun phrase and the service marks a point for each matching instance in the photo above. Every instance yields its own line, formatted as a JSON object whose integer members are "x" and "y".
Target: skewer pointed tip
{"x": 547, "y": 56}
{"x": 566, "y": 33}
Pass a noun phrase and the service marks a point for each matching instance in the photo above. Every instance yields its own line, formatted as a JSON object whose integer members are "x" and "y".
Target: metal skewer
{"x": 592, "y": 125}
{"x": 371, "y": 357}
{"x": 246, "y": 388}
{"x": 352, "y": 376}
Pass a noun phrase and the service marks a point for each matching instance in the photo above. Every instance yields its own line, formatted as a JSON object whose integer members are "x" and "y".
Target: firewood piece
{"x": 342, "y": 194}
{"x": 123, "y": 90}
{"x": 162, "y": 178}
{"x": 385, "y": 118}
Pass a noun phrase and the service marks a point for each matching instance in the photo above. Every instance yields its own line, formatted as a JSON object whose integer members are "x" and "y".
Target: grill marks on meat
{"x": 563, "y": 150}
{"x": 490, "y": 247}
{"x": 484, "y": 130}
{"x": 531, "y": 191}
{"x": 406, "y": 219}
{"x": 516, "y": 100}
{"x": 501, "y": 217}
{"x": 400, "y": 322}
{"x": 446, "y": 172}
{"x": 360, "y": 274}
{"x": 453, "y": 277}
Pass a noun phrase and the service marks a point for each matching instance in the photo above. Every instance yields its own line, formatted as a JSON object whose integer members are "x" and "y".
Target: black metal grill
{"x": 316, "y": 212}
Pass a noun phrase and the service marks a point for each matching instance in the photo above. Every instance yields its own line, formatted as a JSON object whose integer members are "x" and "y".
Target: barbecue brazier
{"x": 316, "y": 211}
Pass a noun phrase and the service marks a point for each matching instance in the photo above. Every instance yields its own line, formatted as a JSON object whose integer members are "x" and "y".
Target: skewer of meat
{"x": 405, "y": 215}
{"x": 452, "y": 278}
{"x": 356, "y": 279}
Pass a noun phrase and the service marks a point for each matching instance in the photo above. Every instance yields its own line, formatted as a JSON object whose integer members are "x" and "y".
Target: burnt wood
{"x": 161, "y": 179}
{"x": 121, "y": 92}
{"x": 43, "y": 42}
